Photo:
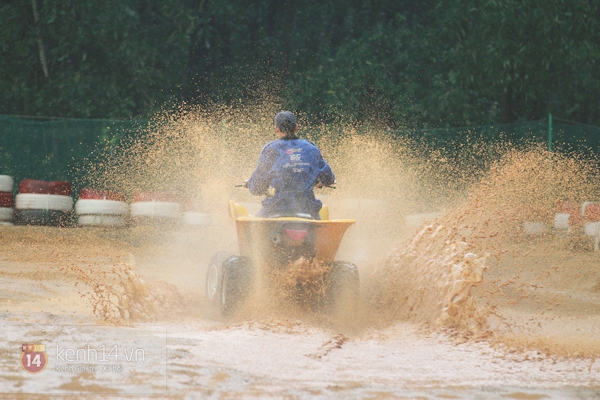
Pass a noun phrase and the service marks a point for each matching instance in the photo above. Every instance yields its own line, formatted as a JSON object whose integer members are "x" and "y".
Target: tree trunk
{"x": 36, "y": 20}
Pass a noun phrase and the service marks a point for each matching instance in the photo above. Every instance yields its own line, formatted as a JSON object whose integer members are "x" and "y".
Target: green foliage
{"x": 393, "y": 63}
{"x": 104, "y": 59}
{"x": 510, "y": 60}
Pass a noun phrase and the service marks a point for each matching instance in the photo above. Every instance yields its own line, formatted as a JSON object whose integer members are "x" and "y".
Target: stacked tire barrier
{"x": 155, "y": 207}
{"x": 6, "y": 200}
{"x": 567, "y": 217}
{"x": 101, "y": 208}
{"x": 43, "y": 203}
{"x": 591, "y": 218}
{"x": 192, "y": 215}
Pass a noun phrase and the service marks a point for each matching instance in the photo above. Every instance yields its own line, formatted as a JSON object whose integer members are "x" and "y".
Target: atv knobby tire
{"x": 228, "y": 282}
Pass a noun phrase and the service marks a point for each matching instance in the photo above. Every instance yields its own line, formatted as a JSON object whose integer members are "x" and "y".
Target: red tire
{"x": 155, "y": 196}
{"x": 567, "y": 207}
{"x": 573, "y": 210}
{"x": 6, "y": 199}
{"x": 33, "y": 186}
{"x": 97, "y": 194}
{"x": 193, "y": 205}
{"x": 592, "y": 212}
{"x": 59, "y": 187}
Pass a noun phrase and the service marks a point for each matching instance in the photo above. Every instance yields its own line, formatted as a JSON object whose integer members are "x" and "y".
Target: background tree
{"x": 510, "y": 60}
{"x": 392, "y": 63}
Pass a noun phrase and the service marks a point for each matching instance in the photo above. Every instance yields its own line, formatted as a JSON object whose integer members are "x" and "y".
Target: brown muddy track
{"x": 264, "y": 354}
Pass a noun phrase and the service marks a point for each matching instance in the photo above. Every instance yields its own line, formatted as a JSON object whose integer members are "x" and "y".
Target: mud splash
{"x": 476, "y": 270}
{"x": 119, "y": 296}
{"x": 436, "y": 277}
{"x": 302, "y": 284}
{"x": 434, "y": 283}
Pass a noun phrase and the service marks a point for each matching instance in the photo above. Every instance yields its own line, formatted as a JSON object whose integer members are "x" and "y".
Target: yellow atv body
{"x": 252, "y": 230}
{"x": 278, "y": 245}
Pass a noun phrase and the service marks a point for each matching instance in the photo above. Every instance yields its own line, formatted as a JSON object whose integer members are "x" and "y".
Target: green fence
{"x": 59, "y": 149}
{"x": 56, "y": 149}
{"x": 558, "y": 134}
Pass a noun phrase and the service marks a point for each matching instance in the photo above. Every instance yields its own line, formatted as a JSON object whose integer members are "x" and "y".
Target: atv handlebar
{"x": 318, "y": 185}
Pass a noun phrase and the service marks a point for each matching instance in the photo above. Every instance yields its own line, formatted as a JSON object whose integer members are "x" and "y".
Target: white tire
{"x": 534, "y": 228}
{"x": 6, "y": 214}
{"x": 36, "y": 201}
{"x": 4, "y": 223}
{"x": 100, "y": 220}
{"x": 6, "y": 183}
{"x": 162, "y": 209}
{"x": 196, "y": 218}
{"x": 101, "y": 207}
{"x": 561, "y": 221}
{"x": 591, "y": 228}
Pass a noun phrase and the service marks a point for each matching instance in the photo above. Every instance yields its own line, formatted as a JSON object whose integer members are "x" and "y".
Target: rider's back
{"x": 291, "y": 167}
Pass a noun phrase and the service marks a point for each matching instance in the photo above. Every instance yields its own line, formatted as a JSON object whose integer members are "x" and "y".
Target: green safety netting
{"x": 58, "y": 149}
{"x": 563, "y": 135}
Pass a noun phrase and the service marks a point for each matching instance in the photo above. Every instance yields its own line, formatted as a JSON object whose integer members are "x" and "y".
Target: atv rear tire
{"x": 228, "y": 282}
{"x": 214, "y": 278}
{"x": 344, "y": 290}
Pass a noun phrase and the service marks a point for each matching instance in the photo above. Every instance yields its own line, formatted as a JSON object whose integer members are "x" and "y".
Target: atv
{"x": 275, "y": 245}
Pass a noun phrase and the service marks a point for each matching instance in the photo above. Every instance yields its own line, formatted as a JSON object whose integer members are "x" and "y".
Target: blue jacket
{"x": 291, "y": 167}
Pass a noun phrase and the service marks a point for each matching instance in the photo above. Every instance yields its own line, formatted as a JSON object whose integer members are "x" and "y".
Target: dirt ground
{"x": 58, "y": 287}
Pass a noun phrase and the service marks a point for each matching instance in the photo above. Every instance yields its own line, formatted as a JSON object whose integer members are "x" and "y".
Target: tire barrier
{"x": 158, "y": 209}
{"x": 578, "y": 219}
{"x": 61, "y": 188}
{"x": 193, "y": 215}
{"x": 568, "y": 215}
{"x": 43, "y": 203}
{"x": 101, "y": 208}
{"x": 561, "y": 221}
{"x": 534, "y": 228}
{"x": 43, "y": 217}
{"x": 591, "y": 217}
{"x": 197, "y": 218}
{"x": 150, "y": 205}
{"x": 163, "y": 197}
{"x": 33, "y": 186}
{"x": 97, "y": 194}
{"x": 101, "y": 220}
{"x": 6, "y": 183}
{"x": 591, "y": 211}
{"x": 36, "y": 201}
{"x": 6, "y": 199}
{"x": 6, "y": 214}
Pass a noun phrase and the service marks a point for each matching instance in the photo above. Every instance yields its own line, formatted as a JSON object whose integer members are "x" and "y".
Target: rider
{"x": 292, "y": 166}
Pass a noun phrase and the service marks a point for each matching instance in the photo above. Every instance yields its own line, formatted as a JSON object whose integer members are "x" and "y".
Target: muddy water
{"x": 464, "y": 304}
{"x": 477, "y": 272}
{"x": 50, "y": 276}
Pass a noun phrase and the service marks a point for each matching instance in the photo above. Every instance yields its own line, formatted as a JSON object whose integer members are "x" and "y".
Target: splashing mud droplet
{"x": 490, "y": 265}
{"x": 530, "y": 282}
{"x": 119, "y": 295}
